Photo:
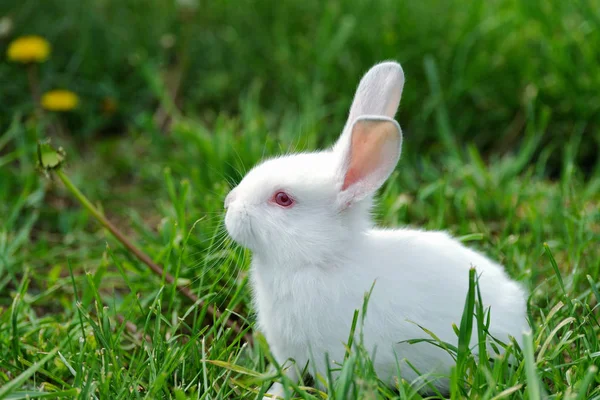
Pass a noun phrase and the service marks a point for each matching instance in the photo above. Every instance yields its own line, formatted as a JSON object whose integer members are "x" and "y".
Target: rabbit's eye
{"x": 283, "y": 199}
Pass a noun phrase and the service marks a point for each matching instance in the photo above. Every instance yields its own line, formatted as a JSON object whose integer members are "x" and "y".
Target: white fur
{"x": 313, "y": 262}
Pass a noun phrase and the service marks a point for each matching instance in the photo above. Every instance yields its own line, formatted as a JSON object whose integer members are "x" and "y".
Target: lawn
{"x": 177, "y": 99}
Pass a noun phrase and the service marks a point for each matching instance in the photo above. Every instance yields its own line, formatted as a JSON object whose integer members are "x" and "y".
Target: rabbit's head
{"x": 308, "y": 207}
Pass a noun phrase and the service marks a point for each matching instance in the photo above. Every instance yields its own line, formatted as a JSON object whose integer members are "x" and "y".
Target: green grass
{"x": 500, "y": 113}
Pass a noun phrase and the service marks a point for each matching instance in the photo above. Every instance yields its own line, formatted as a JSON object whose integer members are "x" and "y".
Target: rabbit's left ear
{"x": 372, "y": 155}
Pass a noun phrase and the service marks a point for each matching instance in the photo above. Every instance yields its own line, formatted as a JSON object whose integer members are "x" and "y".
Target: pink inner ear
{"x": 368, "y": 152}
{"x": 351, "y": 178}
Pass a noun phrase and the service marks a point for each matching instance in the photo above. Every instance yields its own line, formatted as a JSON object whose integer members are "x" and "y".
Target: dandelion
{"x": 59, "y": 100}
{"x": 29, "y": 49}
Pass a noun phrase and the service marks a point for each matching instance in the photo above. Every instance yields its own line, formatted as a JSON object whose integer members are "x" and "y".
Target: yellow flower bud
{"x": 59, "y": 100}
{"x": 28, "y": 49}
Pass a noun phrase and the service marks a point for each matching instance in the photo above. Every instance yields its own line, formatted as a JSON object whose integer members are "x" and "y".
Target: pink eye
{"x": 283, "y": 199}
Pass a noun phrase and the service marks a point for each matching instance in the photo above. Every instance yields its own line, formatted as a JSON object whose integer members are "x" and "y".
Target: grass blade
{"x": 533, "y": 382}
{"x": 555, "y": 268}
{"x": 587, "y": 380}
{"x": 466, "y": 323}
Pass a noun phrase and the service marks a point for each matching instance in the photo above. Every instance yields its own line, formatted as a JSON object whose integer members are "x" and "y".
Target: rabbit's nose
{"x": 229, "y": 198}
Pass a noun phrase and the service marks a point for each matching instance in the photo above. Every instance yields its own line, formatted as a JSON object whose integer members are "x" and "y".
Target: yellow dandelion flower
{"x": 27, "y": 49}
{"x": 59, "y": 100}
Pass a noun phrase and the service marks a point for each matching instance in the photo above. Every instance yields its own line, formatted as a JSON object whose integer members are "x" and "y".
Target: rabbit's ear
{"x": 375, "y": 145}
{"x": 378, "y": 93}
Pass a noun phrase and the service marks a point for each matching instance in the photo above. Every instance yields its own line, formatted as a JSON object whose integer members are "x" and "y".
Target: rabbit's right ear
{"x": 378, "y": 94}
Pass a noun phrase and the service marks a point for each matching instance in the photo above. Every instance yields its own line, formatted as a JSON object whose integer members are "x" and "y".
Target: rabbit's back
{"x": 424, "y": 275}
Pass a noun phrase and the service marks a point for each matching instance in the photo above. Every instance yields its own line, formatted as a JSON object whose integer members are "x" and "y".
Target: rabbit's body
{"x": 308, "y": 309}
{"x": 306, "y": 218}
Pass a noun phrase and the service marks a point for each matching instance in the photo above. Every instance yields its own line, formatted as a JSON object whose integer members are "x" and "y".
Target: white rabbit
{"x": 306, "y": 219}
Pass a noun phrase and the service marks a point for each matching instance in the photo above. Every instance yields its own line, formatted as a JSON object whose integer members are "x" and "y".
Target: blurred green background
{"x": 177, "y": 99}
{"x": 479, "y": 71}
